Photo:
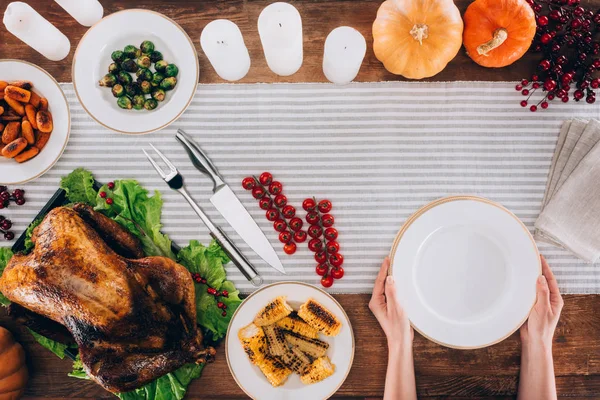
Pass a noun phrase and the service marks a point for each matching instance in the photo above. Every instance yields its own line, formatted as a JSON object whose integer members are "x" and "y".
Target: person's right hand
{"x": 544, "y": 316}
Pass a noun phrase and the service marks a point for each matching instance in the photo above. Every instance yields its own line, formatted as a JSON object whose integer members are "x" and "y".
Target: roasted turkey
{"x": 133, "y": 319}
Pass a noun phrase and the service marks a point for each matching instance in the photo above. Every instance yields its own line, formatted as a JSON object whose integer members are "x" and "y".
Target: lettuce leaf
{"x": 5, "y": 256}
{"x": 208, "y": 262}
{"x": 79, "y": 186}
{"x": 28, "y": 244}
{"x": 55, "y": 347}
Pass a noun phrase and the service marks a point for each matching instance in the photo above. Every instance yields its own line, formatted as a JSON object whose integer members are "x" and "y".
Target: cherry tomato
{"x": 309, "y": 205}
{"x": 280, "y": 200}
{"x": 336, "y": 259}
{"x": 265, "y": 178}
{"x": 332, "y": 247}
{"x": 322, "y": 269}
{"x": 315, "y": 245}
{"x": 265, "y": 203}
{"x": 258, "y": 192}
{"x": 295, "y": 224}
{"x": 331, "y": 233}
{"x": 300, "y": 236}
{"x": 337, "y": 273}
{"x": 285, "y": 237}
{"x": 275, "y": 187}
{"x": 272, "y": 214}
{"x": 279, "y": 225}
{"x": 290, "y": 248}
{"x": 327, "y": 220}
{"x": 321, "y": 257}
{"x": 248, "y": 183}
{"x": 325, "y": 206}
{"x": 288, "y": 211}
{"x": 315, "y": 231}
{"x": 327, "y": 281}
{"x": 312, "y": 217}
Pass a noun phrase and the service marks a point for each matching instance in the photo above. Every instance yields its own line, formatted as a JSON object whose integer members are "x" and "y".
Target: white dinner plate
{"x": 114, "y": 32}
{"x": 11, "y": 172}
{"x": 466, "y": 271}
{"x": 250, "y": 378}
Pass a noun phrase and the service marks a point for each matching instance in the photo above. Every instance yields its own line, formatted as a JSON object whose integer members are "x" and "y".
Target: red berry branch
{"x": 566, "y": 37}
{"x": 271, "y": 199}
{"x": 323, "y": 242}
{"x": 213, "y": 292}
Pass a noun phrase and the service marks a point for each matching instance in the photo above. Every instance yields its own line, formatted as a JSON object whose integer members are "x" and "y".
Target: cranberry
{"x": 543, "y": 20}
{"x": 220, "y": 304}
{"x": 545, "y": 38}
{"x": 549, "y": 84}
{"x": 224, "y": 313}
{"x": 595, "y": 83}
{"x": 533, "y": 108}
{"x": 523, "y": 103}
{"x": 578, "y": 11}
{"x": 248, "y": 183}
{"x": 535, "y": 85}
{"x": 590, "y": 99}
{"x": 578, "y": 95}
{"x": 6, "y": 224}
{"x": 309, "y": 205}
{"x": 265, "y": 178}
{"x": 525, "y": 92}
{"x": 225, "y": 293}
{"x": 9, "y": 236}
{"x": 3, "y": 188}
{"x": 576, "y": 23}
{"x": 300, "y": 237}
{"x": 518, "y": 88}
{"x": 545, "y": 65}
{"x": 102, "y": 194}
{"x": 544, "y": 104}
{"x": 555, "y": 15}
{"x": 109, "y": 201}
{"x": 20, "y": 201}
{"x": 280, "y": 200}
{"x": 550, "y": 96}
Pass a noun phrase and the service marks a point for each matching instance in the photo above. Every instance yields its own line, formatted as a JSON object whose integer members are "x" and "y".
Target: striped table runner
{"x": 378, "y": 151}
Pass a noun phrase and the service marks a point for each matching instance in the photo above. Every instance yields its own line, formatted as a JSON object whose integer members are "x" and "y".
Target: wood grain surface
{"x": 490, "y": 373}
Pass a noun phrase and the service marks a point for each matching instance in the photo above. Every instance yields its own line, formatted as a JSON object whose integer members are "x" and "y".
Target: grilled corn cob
{"x": 295, "y": 360}
{"x": 254, "y": 342}
{"x": 273, "y": 312}
{"x": 313, "y": 347}
{"x": 319, "y": 318}
{"x": 274, "y": 370}
{"x": 276, "y": 340}
{"x": 320, "y": 369}
{"x": 295, "y": 324}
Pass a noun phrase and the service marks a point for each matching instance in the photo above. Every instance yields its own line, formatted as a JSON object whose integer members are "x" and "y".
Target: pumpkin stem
{"x": 500, "y": 35}
{"x": 420, "y": 32}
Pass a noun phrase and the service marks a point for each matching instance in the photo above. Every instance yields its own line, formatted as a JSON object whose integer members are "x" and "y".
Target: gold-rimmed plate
{"x": 466, "y": 271}
{"x": 11, "y": 172}
{"x": 114, "y": 32}
{"x": 250, "y": 378}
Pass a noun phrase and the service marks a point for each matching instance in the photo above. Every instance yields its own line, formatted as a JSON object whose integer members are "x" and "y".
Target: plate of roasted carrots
{"x": 290, "y": 340}
{"x": 34, "y": 121}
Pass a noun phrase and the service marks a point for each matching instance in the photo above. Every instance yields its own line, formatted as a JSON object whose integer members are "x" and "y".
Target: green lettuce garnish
{"x": 28, "y": 244}
{"x": 5, "y": 256}
{"x": 79, "y": 186}
{"x": 54, "y": 346}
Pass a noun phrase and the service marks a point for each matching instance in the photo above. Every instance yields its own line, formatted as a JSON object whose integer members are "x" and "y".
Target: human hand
{"x": 385, "y": 306}
{"x": 539, "y": 328}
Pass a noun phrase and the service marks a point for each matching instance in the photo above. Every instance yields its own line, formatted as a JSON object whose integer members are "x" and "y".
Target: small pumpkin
{"x": 417, "y": 38}
{"x": 13, "y": 371}
{"x": 498, "y": 32}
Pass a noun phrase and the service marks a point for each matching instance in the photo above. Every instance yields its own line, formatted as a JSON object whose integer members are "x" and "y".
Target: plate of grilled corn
{"x": 290, "y": 340}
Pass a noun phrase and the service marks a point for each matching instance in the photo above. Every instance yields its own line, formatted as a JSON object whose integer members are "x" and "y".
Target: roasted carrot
{"x": 43, "y": 104}
{"x": 35, "y": 99}
{"x": 27, "y": 132}
{"x": 22, "y": 84}
{"x": 11, "y": 132}
{"x": 12, "y": 149}
{"x": 27, "y": 154}
{"x": 16, "y": 93}
{"x": 44, "y": 122}
{"x": 41, "y": 139}
{"x": 30, "y": 112}
{"x": 15, "y": 105}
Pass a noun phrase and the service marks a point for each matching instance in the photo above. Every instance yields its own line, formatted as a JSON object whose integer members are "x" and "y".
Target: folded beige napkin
{"x": 571, "y": 209}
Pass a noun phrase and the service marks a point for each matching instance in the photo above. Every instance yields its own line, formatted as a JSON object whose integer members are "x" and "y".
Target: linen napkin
{"x": 571, "y": 214}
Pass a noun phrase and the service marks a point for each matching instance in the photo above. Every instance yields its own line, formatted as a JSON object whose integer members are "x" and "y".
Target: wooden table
{"x": 489, "y": 373}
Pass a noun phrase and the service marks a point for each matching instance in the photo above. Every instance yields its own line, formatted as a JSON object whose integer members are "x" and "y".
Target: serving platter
{"x": 93, "y": 56}
{"x": 249, "y": 377}
{"x": 466, "y": 270}
{"x": 46, "y": 86}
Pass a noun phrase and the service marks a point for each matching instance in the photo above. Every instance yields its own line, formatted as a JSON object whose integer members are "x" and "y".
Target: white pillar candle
{"x": 28, "y": 25}
{"x": 280, "y": 30}
{"x": 86, "y": 12}
{"x": 345, "y": 49}
{"x": 223, "y": 44}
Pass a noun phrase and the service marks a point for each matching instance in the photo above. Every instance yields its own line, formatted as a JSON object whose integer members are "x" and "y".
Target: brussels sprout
{"x": 138, "y": 102}
{"x": 117, "y": 56}
{"x": 168, "y": 83}
{"x": 147, "y": 47}
{"x": 132, "y": 89}
{"x": 125, "y": 103}
{"x": 150, "y": 104}
{"x": 129, "y": 65}
{"x": 156, "y": 56}
{"x": 144, "y": 74}
{"x": 144, "y": 61}
{"x": 171, "y": 70}
{"x": 118, "y": 90}
{"x": 131, "y": 51}
{"x": 124, "y": 78}
{"x": 145, "y": 87}
{"x": 157, "y": 78}
{"x": 113, "y": 68}
{"x": 161, "y": 66}
{"x": 158, "y": 94}
{"x": 109, "y": 80}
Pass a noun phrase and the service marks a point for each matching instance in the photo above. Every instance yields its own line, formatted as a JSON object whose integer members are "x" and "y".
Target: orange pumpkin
{"x": 417, "y": 38}
{"x": 13, "y": 371}
{"x": 498, "y": 32}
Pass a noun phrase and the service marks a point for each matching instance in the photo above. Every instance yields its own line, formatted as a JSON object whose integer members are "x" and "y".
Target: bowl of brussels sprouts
{"x": 135, "y": 71}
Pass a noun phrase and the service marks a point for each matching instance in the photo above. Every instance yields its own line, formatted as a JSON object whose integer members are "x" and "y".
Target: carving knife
{"x": 230, "y": 207}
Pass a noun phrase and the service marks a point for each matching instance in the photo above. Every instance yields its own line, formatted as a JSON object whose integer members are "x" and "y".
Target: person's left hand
{"x": 385, "y": 306}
